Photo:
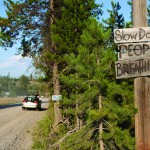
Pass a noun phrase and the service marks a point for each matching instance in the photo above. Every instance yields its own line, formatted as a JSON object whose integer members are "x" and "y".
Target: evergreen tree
{"x": 66, "y": 35}
{"x": 91, "y": 79}
{"x": 6, "y": 85}
{"x": 30, "y": 21}
{"x": 22, "y": 85}
{"x": 114, "y": 21}
{"x": 25, "y": 22}
{"x": 121, "y": 98}
{"x": 88, "y": 78}
{"x": 68, "y": 29}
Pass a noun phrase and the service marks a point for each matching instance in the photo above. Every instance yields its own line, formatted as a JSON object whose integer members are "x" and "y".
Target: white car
{"x": 31, "y": 102}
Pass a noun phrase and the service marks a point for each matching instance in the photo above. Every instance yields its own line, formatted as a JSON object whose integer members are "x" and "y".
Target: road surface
{"x": 16, "y": 126}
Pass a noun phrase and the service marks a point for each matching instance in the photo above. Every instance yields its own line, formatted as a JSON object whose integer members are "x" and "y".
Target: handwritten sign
{"x": 133, "y": 51}
{"x": 132, "y": 68}
{"x": 129, "y": 35}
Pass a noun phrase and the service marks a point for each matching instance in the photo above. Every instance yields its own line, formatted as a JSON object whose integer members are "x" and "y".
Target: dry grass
{"x": 9, "y": 100}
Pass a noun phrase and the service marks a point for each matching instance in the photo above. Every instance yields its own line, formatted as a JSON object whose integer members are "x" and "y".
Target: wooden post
{"x": 141, "y": 86}
{"x": 139, "y": 13}
{"x": 142, "y": 118}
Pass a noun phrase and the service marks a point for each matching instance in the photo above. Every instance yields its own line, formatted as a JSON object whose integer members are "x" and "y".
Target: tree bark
{"x": 100, "y": 126}
{"x": 57, "y": 111}
{"x": 141, "y": 86}
{"x": 77, "y": 118}
{"x": 56, "y": 84}
{"x": 142, "y": 118}
{"x": 79, "y": 121}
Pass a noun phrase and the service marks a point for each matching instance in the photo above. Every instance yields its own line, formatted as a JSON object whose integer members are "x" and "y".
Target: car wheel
{"x": 23, "y": 108}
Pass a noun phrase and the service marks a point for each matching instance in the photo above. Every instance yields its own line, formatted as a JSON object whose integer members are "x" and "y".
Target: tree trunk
{"x": 56, "y": 84}
{"x": 77, "y": 119}
{"x": 100, "y": 127}
{"x": 79, "y": 122}
{"x": 57, "y": 111}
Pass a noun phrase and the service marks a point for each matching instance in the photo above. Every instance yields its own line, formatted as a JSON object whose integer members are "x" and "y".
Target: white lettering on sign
{"x": 132, "y": 35}
{"x": 133, "y": 51}
{"x": 132, "y": 68}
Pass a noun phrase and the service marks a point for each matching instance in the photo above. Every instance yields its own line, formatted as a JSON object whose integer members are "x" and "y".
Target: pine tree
{"x": 88, "y": 78}
{"x": 30, "y": 21}
{"x": 25, "y": 22}
{"x": 120, "y": 99}
{"x": 92, "y": 75}
{"x": 67, "y": 32}
{"x": 114, "y": 21}
{"x": 88, "y": 73}
{"x": 66, "y": 35}
{"x": 91, "y": 79}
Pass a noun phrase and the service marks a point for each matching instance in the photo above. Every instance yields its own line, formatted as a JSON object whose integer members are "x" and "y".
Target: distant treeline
{"x": 12, "y": 87}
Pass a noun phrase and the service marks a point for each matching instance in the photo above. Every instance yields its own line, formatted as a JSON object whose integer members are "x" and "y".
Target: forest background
{"x": 21, "y": 86}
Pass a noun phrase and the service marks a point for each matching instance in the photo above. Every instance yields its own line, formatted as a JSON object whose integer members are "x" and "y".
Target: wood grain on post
{"x": 142, "y": 118}
{"x": 141, "y": 86}
{"x": 139, "y": 13}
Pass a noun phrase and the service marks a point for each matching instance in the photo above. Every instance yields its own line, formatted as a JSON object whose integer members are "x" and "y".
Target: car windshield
{"x": 31, "y": 99}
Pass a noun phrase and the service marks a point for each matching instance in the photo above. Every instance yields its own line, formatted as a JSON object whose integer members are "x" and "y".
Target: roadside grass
{"x": 41, "y": 134}
{"x": 42, "y": 131}
{"x": 9, "y": 100}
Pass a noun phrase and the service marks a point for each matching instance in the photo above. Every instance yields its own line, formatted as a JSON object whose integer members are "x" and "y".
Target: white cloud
{"x": 16, "y": 65}
{"x": 10, "y": 61}
{"x": 16, "y": 61}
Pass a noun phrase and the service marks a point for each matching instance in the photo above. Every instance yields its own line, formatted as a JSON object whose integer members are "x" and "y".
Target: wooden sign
{"x": 132, "y": 68}
{"x": 133, "y": 51}
{"x": 129, "y": 35}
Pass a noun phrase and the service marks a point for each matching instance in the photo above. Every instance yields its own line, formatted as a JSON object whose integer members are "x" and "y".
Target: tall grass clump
{"x": 42, "y": 130}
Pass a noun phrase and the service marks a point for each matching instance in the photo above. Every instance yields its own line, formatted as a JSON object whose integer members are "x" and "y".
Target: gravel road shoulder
{"x": 16, "y": 127}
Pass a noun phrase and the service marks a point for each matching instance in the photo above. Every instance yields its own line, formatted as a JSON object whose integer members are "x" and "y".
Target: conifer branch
{"x": 63, "y": 138}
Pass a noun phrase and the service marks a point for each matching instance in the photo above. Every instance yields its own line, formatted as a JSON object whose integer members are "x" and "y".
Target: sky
{"x": 16, "y": 65}
{"x": 125, "y": 8}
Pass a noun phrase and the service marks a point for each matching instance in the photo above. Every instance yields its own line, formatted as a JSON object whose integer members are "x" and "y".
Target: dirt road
{"x": 16, "y": 126}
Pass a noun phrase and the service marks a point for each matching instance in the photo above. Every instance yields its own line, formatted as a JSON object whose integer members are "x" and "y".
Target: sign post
{"x": 141, "y": 86}
{"x": 134, "y": 61}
